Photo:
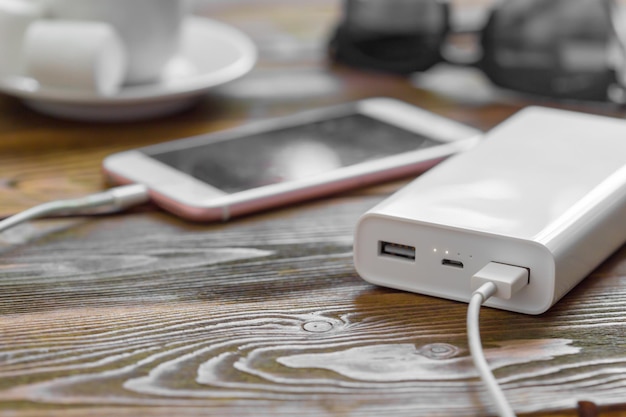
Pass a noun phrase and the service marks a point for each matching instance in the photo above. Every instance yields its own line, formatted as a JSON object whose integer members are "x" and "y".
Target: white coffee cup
{"x": 15, "y": 18}
{"x": 96, "y": 61}
{"x": 150, "y": 29}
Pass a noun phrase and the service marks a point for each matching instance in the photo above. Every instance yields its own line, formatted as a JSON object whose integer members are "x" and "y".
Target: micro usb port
{"x": 396, "y": 250}
{"x": 452, "y": 263}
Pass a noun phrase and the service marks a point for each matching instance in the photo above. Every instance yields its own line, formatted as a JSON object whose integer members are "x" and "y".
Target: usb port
{"x": 396, "y": 250}
{"x": 452, "y": 263}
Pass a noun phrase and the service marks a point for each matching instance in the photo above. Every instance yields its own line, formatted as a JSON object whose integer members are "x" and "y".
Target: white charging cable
{"x": 112, "y": 200}
{"x": 503, "y": 281}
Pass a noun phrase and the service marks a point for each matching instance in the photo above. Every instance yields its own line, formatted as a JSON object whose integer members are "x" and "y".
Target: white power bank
{"x": 545, "y": 190}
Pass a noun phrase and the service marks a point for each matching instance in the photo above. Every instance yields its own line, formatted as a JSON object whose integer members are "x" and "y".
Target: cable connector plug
{"x": 508, "y": 279}
{"x": 493, "y": 280}
{"x": 112, "y": 200}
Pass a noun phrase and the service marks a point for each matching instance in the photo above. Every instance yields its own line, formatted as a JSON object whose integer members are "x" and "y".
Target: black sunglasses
{"x": 567, "y": 49}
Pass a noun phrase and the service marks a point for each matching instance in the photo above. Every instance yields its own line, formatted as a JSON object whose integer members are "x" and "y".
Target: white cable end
{"x": 112, "y": 200}
{"x": 508, "y": 279}
{"x": 129, "y": 195}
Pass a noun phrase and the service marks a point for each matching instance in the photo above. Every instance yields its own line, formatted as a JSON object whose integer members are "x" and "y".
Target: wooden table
{"x": 144, "y": 314}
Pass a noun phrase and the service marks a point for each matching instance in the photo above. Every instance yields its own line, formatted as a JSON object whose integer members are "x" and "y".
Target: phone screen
{"x": 292, "y": 153}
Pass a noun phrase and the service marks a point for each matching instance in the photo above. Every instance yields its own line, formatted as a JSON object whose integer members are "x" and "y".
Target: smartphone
{"x": 270, "y": 163}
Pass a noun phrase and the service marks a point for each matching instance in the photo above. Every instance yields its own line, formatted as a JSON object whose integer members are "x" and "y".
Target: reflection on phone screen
{"x": 292, "y": 153}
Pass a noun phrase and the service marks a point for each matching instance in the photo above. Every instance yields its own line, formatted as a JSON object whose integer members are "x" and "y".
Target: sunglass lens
{"x": 399, "y": 36}
{"x": 550, "y": 47}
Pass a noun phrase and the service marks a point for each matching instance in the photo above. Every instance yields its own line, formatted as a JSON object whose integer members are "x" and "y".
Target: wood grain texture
{"x": 266, "y": 316}
{"x": 144, "y": 314}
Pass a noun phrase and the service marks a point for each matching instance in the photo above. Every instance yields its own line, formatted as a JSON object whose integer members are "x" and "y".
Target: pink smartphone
{"x": 271, "y": 163}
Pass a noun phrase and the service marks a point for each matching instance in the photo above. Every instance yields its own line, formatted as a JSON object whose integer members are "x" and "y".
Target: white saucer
{"x": 211, "y": 54}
